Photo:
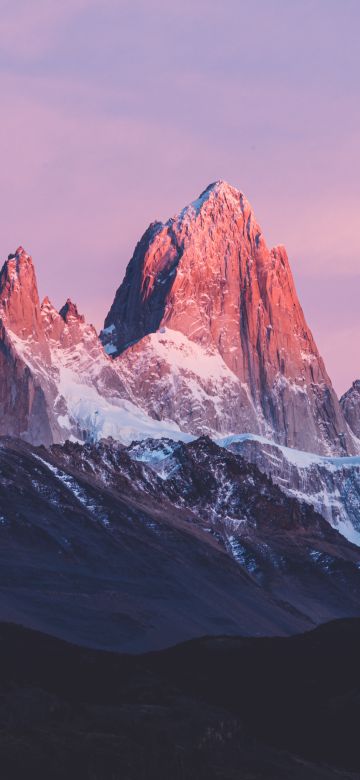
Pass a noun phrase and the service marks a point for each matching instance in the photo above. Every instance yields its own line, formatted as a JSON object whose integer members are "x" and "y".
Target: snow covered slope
{"x": 173, "y": 377}
{"x": 330, "y": 485}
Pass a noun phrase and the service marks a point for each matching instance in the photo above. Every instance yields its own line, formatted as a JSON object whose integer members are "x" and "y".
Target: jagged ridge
{"x": 208, "y": 275}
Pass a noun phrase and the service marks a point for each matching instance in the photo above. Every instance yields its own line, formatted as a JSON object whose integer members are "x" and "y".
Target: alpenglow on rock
{"x": 56, "y": 382}
{"x": 211, "y": 334}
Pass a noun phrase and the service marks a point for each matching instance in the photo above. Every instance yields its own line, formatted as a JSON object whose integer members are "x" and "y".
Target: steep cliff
{"x": 208, "y": 275}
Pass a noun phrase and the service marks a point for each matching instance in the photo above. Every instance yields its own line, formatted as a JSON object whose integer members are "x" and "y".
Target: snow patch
{"x": 110, "y": 329}
{"x": 109, "y": 348}
{"x": 80, "y": 494}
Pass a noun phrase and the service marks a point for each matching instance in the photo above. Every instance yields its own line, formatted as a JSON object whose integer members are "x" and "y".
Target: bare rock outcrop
{"x": 350, "y": 404}
{"x": 208, "y": 275}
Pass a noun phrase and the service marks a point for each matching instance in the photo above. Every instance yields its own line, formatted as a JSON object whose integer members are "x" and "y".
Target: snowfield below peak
{"x": 173, "y": 377}
{"x": 98, "y": 404}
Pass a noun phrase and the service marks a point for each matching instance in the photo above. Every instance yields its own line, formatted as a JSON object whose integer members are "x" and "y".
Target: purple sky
{"x": 116, "y": 112}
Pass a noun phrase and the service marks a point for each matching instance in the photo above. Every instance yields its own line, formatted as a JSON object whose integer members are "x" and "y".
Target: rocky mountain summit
{"x": 206, "y": 336}
{"x": 56, "y": 381}
{"x": 211, "y": 320}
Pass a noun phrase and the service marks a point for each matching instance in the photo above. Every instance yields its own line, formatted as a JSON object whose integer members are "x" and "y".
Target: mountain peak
{"x": 220, "y": 186}
{"x": 18, "y": 272}
{"x": 19, "y": 298}
{"x": 218, "y": 193}
{"x": 20, "y": 309}
{"x": 208, "y": 274}
{"x": 20, "y": 251}
{"x": 46, "y": 303}
{"x": 70, "y": 311}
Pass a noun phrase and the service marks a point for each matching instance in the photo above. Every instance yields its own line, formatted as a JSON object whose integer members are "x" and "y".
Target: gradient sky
{"x": 115, "y": 113}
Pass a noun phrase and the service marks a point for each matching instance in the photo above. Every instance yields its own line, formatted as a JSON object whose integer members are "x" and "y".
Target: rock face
{"x": 205, "y": 336}
{"x": 330, "y": 485}
{"x": 208, "y": 275}
{"x": 350, "y": 404}
{"x": 24, "y": 401}
{"x": 19, "y": 299}
{"x": 56, "y": 381}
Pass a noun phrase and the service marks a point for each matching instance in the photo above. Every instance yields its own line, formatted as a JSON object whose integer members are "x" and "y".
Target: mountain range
{"x": 205, "y": 335}
{"x": 187, "y": 473}
{"x": 204, "y": 394}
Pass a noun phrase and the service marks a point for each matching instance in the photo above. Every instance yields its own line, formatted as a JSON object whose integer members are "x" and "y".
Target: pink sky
{"x": 115, "y": 113}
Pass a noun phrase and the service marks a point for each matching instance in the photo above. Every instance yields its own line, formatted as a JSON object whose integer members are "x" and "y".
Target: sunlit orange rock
{"x": 208, "y": 274}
